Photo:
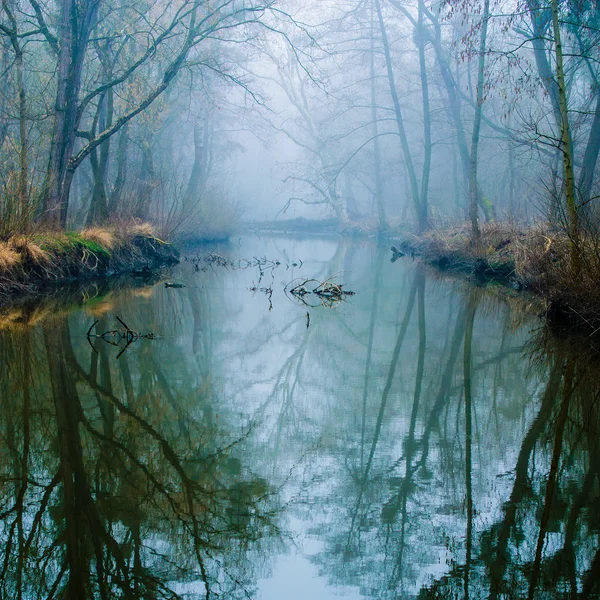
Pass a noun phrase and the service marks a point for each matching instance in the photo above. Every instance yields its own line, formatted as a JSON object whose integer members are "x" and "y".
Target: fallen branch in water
{"x": 116, "y": 337}
{"x": 328, "y": 293}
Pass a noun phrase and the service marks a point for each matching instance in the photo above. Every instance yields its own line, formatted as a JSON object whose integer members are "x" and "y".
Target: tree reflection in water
{"x": 420, "y": 432}
{"x": 112, "y": 486}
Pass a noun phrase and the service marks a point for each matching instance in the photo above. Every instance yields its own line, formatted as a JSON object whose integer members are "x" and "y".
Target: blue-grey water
{"x": 420, "y": 438}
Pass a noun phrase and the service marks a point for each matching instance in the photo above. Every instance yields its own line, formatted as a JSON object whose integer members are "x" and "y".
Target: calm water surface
{"x": 421, "y": 439}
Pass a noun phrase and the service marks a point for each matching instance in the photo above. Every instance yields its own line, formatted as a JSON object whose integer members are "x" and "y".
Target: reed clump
{"x": 102, "y": 236}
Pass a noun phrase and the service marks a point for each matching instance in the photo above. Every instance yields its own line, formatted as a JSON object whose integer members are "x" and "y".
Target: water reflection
{"x": 116, "y": 484}
{"x": 416, "y": 441}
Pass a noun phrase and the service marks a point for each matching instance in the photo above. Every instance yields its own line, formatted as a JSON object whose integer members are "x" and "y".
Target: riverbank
{"x": 35, "y": 263}
{"x": 521, "y": 258}
{"x": 533, "y": 259}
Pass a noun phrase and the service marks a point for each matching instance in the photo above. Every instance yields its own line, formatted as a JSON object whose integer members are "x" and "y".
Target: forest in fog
{"x": 195, "y": 112}
{"x": 178, "y": 420}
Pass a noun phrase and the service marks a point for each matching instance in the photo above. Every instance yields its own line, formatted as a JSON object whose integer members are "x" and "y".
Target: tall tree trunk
{"x": 452, "y": 87}
{"x": 414, "y": 186}
{"x": 590, "y": 156}
{"x": 22, "y": 134}
{"x": 4, "y": 120}
{"x": 566, "y": 145}
{"x": 383, "y": 225}
{"x": 75, "y": 25}
{"x": 98, "y": 212}
{"x": 423, "y": 216}
{"x": 198, "y": 176}
{"x": 12, "y": 32}
{"x": 477, "y": 124}
{"x": 147, "y": 183}
{"x": 539, "y": 24}
{"x": 114, "y": 204}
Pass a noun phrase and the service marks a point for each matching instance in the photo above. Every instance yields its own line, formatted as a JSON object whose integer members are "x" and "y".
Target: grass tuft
{"x": 29, "y": 250}
{"x": 104, "y": 237}
{"x": 9, "y": 258}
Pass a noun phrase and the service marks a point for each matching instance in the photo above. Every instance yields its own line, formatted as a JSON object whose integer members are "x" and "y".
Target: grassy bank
{"x": 535, "y": 259}
{"x": 34, "y": 262}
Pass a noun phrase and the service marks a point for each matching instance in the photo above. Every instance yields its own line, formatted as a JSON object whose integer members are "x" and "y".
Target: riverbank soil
{"x": 32, "y": 263}
{"x": 535, "y": 259}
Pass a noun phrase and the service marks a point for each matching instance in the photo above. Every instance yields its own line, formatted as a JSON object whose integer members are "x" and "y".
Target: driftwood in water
{"x": 117, "y": 337}
{"x": 313, "y": 292}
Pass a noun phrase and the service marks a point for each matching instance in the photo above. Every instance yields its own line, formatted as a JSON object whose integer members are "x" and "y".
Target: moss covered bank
{"x": 33, "y": 263}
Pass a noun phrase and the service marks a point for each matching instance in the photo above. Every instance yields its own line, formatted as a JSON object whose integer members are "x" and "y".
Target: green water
{"x": 422, "y": 438}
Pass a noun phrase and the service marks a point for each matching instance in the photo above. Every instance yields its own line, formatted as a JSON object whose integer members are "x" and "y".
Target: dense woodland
{"x": 384, "y": 110}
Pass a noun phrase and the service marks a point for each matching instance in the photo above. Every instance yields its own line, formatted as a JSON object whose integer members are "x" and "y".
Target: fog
{"x": 200, "y": 115}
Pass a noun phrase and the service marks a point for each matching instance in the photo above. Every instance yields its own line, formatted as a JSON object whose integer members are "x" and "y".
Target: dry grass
{"x": 453, "y": 248}
{"x": 19, "y": 252}
{"x": 9, "y": 258}
{"x": 102, "y": 236}
{"x": 29, "y": 262}
{"x": 536, "y": 258}
{"x": 29, "y": 250}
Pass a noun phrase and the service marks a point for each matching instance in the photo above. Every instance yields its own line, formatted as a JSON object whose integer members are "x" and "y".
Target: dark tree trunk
{"x": 198, "y": 176}
{"x": 98, "y": 212}
{"x": 117, "y": 191}
{"x": 75, "y": 25}
{"x": 147, "y": 183}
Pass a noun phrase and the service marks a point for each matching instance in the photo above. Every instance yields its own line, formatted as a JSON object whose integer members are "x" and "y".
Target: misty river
{"x": 421, "y": 438}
